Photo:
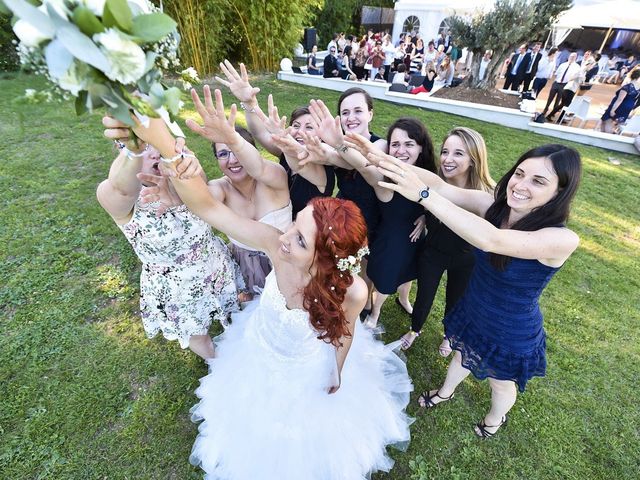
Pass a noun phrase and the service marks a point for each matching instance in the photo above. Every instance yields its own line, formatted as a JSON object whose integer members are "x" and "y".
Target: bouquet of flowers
{"x": 109, "y": 53}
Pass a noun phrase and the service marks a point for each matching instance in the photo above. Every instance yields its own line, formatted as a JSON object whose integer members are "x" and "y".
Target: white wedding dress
{"x": 265, "y": 408}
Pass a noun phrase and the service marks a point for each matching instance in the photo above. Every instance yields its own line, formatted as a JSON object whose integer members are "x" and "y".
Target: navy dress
{"x": 393, "y": 257}
{"x": 354, "y": 187}
{"x": 302, "y": 190}
{"x": 627, "y": 105}
{"x": 497, "y": 324}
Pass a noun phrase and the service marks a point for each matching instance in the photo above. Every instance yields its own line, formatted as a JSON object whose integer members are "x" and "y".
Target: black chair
{"x": 398, "y": 87}
{"x": 416, "y": 80}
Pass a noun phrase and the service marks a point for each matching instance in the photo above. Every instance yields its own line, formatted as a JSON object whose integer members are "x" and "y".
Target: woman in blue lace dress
{"x": 521, "y": 241}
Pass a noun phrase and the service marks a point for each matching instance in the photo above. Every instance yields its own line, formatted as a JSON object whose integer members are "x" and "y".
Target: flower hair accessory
{"x": 352, "y": 262}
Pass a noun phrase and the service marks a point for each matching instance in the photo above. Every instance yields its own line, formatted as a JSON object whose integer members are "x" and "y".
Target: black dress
{"x": 302, "y": 190}
{"x": 393, "y": 257}
{"x": 354, "y": 187}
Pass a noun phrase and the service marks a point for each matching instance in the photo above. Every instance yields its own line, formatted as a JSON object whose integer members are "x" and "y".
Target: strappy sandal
{"x": 445, "y": 347}
{"x": 428, "y": 399}
{"x": 408, "y": 339}
{"x": 481, "y": 428}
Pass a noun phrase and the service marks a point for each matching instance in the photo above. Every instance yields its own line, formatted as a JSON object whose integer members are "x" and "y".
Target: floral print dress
{"x": 188, "y": 277}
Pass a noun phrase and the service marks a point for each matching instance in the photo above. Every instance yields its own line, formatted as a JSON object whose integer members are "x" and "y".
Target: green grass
{"x": 84, "y": 394}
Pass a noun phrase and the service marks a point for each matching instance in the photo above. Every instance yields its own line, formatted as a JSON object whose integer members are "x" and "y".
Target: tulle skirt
{"x": 267, "y": 414}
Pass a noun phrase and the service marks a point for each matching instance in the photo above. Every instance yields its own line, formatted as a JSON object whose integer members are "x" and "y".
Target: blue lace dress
{"x": 497, "y": 324}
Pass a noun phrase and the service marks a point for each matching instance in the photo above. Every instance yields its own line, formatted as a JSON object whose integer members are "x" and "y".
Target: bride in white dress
{"x": 298, "y": 389}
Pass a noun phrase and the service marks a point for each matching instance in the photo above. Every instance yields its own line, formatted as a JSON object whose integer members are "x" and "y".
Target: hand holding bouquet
{"x": 109, "y": 53}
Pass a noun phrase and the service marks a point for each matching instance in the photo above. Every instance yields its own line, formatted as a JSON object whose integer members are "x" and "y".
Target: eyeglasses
{"x": 224, "y": 154}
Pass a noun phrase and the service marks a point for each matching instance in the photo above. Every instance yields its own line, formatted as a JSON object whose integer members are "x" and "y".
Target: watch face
{"x": 424, "y": 193}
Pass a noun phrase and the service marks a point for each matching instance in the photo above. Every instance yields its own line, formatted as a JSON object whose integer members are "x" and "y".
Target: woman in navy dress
{"x": 622, "y": 103}
{"x": 521, "y": 241}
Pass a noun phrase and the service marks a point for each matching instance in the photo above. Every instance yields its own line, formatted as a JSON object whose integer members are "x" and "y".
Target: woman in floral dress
{"x": 188, "y": 278}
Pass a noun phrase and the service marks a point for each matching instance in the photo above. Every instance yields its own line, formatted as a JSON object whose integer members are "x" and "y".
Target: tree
{"x": 509, "y": 24}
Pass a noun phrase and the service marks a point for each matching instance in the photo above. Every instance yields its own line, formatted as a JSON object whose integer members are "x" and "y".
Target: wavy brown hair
{"x": 342, "y": 231}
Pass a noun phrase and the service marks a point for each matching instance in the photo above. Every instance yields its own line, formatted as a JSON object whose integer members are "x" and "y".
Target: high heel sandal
{"x": 428, "y": 399}
{"x": 445, "y": 347}
{"x": 481, "y": 428}
{"x": 408, "y": 339}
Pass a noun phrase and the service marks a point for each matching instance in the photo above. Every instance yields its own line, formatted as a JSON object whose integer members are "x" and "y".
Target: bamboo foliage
{"x": 258, "y": 33}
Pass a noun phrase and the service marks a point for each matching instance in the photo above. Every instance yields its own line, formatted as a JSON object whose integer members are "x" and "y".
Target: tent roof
{"x": 620, "y": 14}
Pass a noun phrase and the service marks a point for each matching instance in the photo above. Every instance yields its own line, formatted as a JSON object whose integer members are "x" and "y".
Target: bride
{"x": 298, "y": 388}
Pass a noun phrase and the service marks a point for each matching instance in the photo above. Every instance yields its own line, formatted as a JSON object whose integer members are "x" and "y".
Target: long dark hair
{"x": 417, "y": 131}
{"x": 567, "y": 165}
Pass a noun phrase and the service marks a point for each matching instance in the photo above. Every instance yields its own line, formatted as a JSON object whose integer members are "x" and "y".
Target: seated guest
{"x": 312, "y": 69}
{"x": 429, "y": 79}
{"x": 331, "y": 68}
{"x": 401, "y": 76}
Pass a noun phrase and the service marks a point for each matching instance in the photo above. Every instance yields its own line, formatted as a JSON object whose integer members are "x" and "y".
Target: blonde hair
{"x": 479, "y": 177}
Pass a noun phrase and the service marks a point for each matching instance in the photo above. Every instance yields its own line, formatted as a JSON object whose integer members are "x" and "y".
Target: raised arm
{"x": 119, "y": 192}
{"x": 294, "y": 153}
{"x": 240, "y": 87}
{"x": 196, "y": 196}
{"x": 217, "y": 128}
{"x": 551, "y": 246}
{"x": 330, "y": 130}
{"x": 474, "y": 201}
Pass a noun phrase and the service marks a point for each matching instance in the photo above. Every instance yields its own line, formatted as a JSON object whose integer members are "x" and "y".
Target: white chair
{"x": 582, "y": 111}
{"x": 579, "y": 108}
{"x": 632, "y": 127}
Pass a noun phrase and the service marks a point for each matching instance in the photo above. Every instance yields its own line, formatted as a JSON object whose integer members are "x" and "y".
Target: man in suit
{"x": 516, "y": 69}
{"x": 331, "y": 68}
{"x": 531, "y": 60}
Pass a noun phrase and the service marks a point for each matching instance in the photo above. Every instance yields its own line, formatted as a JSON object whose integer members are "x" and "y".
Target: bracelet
{"x": 133, "y": 156}
{"x": 180, "y": 155}
{"x": 342, "y": 148}
{"x": 246, "y": 109}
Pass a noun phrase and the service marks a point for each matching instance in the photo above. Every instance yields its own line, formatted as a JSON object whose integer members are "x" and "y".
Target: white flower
{"x": 29, "y": 93}
{"x": 126, "y": 58}
{"x": 140, "y": 6}
{"x": 351, "y": 259}
{"x": 190, "y": 75}
{"x": 28, "y": 34}
{"x": 96, "y": 6}
{"x": 75, "y": 79}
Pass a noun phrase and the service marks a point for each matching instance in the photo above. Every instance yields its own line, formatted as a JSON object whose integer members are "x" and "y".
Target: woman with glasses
{"x": 251, "y": 186}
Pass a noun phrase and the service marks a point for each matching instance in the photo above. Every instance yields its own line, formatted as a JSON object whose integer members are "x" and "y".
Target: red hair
{"x": 342, "y": 231}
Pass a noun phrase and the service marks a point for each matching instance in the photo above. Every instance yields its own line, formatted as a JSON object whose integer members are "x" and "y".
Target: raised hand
{"x": 363, "y": 145}
{"x": 216, "y": 128}
{"x": 238, "y": 83}
{"x": 403, "y": 179}
{"x": 186, "y": 167}
{"x": 159, "y": 190}
{"x": 288, "y": 145}
{"x": 272, "y": 123}
{"x": 316, "y": 151}
{"x": 327, "y": 127}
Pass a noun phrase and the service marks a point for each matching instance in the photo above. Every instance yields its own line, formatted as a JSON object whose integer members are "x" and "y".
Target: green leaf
{"x": 172, "y": 100}
{"x": 87, "y": 21}
{"x": 32, "y": 15}
{"x": 82, "y": 48}
{"x": 118, "y": 14}
{"x": 81, "y": 102}
{"x": 153, "y": 26}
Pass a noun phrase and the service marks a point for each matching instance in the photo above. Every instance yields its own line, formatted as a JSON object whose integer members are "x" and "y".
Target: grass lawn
{"x": 84, "y": 394}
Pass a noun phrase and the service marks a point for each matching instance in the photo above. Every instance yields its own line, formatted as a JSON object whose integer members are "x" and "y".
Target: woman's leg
{"x": 456, "y": 373}
{"x": 430, "y": 270}
{"x": 376, "y": 306}
{"x": 503, "y": 396}
{"x": 202, "y": 346}
{"x": 403, "y": 296}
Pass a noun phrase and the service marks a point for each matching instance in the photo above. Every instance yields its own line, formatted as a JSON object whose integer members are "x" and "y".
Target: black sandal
{"x": 482, "y": 431}
{"x": 428, "y": 399}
